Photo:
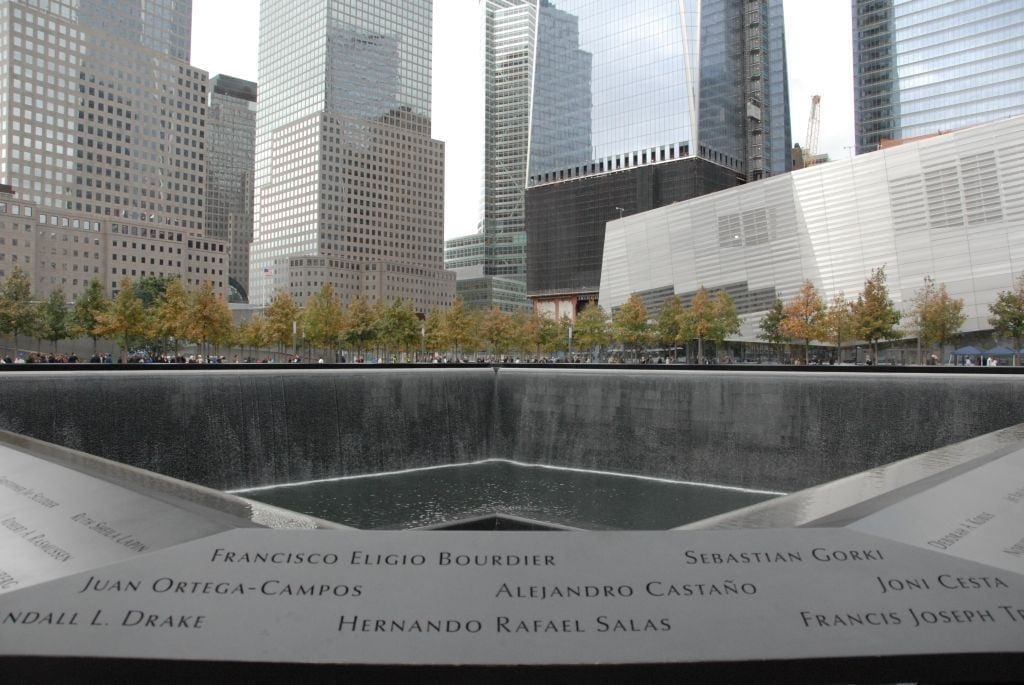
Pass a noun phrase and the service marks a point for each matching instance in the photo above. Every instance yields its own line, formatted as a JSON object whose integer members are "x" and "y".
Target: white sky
{"x": 818, "y": 40}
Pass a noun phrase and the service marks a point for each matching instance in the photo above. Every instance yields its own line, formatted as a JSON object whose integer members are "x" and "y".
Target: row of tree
{"x": 159, "y": 314}
{"x": 935, "y": 317}
{"x": 154, "y": 309}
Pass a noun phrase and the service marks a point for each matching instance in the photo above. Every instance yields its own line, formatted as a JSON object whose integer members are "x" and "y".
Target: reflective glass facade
{"x": 949, "y": 207}
{"x": 582, "y": 88}
{"x": 164, "y": 26}
{"x": 644, "y": 85}
{"x": 620, "y": 84}
{"x": 345, "y": 167}
{"x": 925, "y": 66}
{"x": 230, "y": 150}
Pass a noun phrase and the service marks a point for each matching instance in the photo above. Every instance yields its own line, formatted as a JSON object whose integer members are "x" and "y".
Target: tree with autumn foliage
{"x": 936, "y": 316}
{"x": 725, "y": 319}
{"x": 125, "y": 319}
{"x": 253, "y": 334}
{"x": 590, "y": 332}
{"x": 171, "y": 314}
{"x": 874, "y": 315}
{"x": 281, "y": 315}
{"x": 670, "y": 325}
{"x": 360, "y": 331}
{"x": 838, "y": 322}
{"x": 1008, "y": 315}
{"x": 323, "y": 319}
{"x": 461, "y": 328}
{"x": 804, "y": 317}
{"x": 209, "y": 318}
{"x": 496, "y": 332}
{"x": 699, "y": 319}
{"x": 630, "y": 326}
{"x": 550, "y": 336}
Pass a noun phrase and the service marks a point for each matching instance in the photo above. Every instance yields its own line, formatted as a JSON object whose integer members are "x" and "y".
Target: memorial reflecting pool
{"x": 569, "y": 497}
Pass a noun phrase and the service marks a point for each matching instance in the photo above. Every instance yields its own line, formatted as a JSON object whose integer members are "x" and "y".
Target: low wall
{"x": 230, "y": 429}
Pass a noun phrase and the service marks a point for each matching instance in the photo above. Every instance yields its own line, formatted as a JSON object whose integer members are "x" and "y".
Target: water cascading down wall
{"x": 231, "y": 429}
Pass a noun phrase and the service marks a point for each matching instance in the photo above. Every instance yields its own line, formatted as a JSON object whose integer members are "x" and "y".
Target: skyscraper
{"x": 230, "y": 154}
{"x": 102, "y": 141}
{"x": 667, "y": 100}
{"x": 926, "y": 66}
{"x": 491, "y": 264}
{"x": 581, "y": 90}
{"x": 348, "y": 183}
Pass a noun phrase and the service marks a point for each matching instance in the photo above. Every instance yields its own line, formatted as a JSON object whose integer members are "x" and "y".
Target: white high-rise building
{"x": 349, "y": 185}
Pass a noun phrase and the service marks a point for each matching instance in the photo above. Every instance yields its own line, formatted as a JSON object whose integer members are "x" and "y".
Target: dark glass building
{"x": 230, "y": 155}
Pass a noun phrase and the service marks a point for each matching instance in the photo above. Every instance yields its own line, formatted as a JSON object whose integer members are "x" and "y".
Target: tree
{"x": 397, "y": 325}
{"x": 803, "y": 317}
{"x": 171, "y": 315}
{"x": 670, "y": 326}
{"x": 936, "y": 316}
{"x": 591, "y": 329}
{"x": 52, "y": 318}
{"x": 460, "y": 327}
{"x": 725, "y": 318}
{"x": 360, "y": 331}
{"x": 496, "y": 331}
{"x": 209, "y": 318}
{"x": 524, "y": 330}
{"x": 89, "y": 305}
{"x": 699, "y": 319}
{"x": 125, "y": 319}
{"x": 282, "y": 316}
{"x": 550, "y": 335}
{"x": 771, "y": 325}
{"x": 433, "y": 331}
{"x": 150, "y": 289}
{"x": 17, "y": 315}
{"x": 1008, "y": 315}
{"x": 875, "y": 318}
{"x": 630, "y": 326}
{"x": 323, "y": 319}
{"x": 838, "y": 322}
{"x": 253, "y": 333}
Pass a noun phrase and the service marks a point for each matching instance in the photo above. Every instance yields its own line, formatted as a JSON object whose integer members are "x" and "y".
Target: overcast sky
{"x": 818, "y": 44}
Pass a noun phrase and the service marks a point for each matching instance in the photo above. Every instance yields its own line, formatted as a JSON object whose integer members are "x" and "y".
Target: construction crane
{"x": 810, "y": 150}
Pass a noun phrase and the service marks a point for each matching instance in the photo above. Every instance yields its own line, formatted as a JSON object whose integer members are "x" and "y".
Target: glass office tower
{"x": 349, "y": 186}
{"x": 620, "y": 85}
{"x": 602, "y": 87}
{"x": 230, "y": 151}
{"x": 925, "y": 66}
{"x": 637, "y": 105}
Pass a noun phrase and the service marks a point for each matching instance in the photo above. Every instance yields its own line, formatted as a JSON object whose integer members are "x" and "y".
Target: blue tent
{"x": 968, "y": 351}
{"x": 1000, "y": 352}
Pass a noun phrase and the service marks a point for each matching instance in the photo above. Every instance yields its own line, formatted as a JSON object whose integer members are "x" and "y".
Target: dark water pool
{"x": 582, "y": 499}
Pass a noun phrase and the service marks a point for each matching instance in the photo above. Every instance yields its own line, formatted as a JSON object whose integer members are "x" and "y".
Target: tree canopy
{"x": 1008, "y": 315}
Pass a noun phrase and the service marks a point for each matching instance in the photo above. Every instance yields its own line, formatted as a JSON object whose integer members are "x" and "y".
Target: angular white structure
{"x": 949, "y": 207}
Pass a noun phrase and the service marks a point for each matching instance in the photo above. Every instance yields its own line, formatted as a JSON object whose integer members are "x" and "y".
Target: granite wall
{"x": 241, "y": 428}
